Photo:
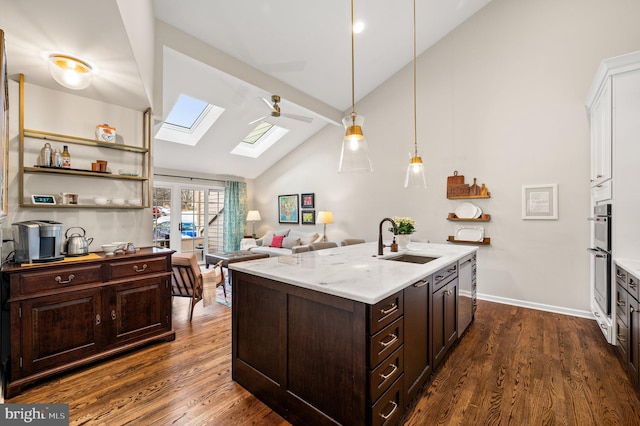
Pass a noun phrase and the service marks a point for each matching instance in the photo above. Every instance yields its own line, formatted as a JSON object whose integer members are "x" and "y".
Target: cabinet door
{"x": 417, "y": 344}
{"x": 137, "y": 309}
{"x": 633, "y": 346}
{"x": 451, "y": 313}
{"x": 60, "y": 329}
{"x": 438, "y": 340}
{"x": 601, "y": 136}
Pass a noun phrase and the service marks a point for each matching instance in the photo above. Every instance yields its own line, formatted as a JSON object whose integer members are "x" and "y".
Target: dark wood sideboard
{"x": 58, "y": 316}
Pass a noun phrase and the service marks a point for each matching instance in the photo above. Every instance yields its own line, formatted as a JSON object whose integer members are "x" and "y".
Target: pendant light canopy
{"x": 355, "y": 152}
{"x": 415, "y": 171}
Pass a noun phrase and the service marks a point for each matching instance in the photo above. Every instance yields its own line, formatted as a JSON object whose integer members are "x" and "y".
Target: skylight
{"x": 188, "y": 121}
{"x": 259, "y": 140}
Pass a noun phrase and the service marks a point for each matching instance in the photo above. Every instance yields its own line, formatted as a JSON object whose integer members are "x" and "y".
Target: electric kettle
{"x": 76, "y": 244}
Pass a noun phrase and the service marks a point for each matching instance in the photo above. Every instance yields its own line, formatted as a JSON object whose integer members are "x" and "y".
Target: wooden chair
{"x": 186, "y": 280}
{"x": 322, "y": 245}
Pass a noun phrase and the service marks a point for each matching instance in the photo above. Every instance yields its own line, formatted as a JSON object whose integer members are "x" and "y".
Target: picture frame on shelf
{"x": 308, "y": 217}
{"x": 540, "y": 202}
{"x": 307, "y": 200}
{"x": 288, "y": 210}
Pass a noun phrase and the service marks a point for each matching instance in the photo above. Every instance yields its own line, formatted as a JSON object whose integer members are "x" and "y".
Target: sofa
{"x": 286, "y": 241}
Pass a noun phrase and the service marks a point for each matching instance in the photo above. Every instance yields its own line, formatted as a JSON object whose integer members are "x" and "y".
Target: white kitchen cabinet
{"x": 600, "y": 116}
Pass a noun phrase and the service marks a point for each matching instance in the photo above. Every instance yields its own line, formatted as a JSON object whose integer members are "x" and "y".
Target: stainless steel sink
{"x": 411, "y": 258}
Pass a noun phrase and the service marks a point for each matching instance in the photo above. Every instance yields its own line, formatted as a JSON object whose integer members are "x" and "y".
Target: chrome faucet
{"x": 381, "y": 246}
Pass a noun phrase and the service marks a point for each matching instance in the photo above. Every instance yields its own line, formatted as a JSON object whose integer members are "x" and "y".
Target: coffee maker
{"x": 37, "y": 241}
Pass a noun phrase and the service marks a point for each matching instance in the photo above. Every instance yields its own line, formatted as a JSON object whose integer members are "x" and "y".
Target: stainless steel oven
{"x": 601, "y": 251}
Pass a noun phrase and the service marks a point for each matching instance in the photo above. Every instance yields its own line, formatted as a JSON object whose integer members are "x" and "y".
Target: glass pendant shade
{"x": 70, "y": 72}
{"x": 415, "y": 174}
{"x": 355, "y": 152}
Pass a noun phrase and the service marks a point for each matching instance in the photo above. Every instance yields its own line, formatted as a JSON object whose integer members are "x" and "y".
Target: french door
{"x": 188, "y": 219}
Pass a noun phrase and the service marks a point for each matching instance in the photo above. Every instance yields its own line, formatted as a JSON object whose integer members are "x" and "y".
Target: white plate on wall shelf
{"x": 470, "y": 233}
{"x": 467, "y": 211}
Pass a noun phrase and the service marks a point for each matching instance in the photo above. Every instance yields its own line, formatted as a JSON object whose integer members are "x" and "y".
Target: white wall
{"x": 58, "y": 112}
{"x": 500, "y": 99}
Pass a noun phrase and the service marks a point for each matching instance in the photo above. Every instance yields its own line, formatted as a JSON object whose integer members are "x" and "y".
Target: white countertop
{"x": 354, "y": 272}
{"x": 632, "y": 266}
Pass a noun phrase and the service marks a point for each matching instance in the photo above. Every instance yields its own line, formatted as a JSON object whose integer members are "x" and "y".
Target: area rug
{"x": 220, "y": 295}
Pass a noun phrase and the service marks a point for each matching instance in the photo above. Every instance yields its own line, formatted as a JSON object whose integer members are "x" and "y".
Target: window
{"x": 259, "y": 140}
{"x": 188, "y": 121}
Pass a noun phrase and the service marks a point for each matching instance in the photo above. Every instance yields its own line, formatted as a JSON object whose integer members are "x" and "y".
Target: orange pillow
{"x": 277, "y": 241}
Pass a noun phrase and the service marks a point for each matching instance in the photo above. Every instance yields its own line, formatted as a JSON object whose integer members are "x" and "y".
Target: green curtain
{"x": 235, "y": 214}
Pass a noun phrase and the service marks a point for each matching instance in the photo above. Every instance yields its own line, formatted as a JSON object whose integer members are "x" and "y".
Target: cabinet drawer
{"x": 386, "y": 373}
{"x": 444, "y": 275}
{"x": 622, "y": 302}
{"x": 622, "y": 339}
{"x": 386, "y": 341}
{"x": 632, "y": 286}
{"x": 621, "y": 277}
{"x": 388, "y": 410}
{"x": 137, "y": 267}
{"x": 602, "y": 191}
{"x": 35, "y": 282}
{"x": 385, "y": 312}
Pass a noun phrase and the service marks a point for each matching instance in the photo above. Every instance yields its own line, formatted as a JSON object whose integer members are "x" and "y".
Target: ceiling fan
{"x": 275, "y": 111}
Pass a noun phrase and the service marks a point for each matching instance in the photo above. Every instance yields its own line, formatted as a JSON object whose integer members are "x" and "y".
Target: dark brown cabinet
{"x": 64, "y": 315}
{"x": 417, "y": 342}
{"x": 444, "y": 312}
{"x": 628, "y": 323}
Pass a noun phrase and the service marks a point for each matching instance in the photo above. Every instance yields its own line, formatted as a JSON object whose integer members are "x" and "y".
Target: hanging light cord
{"x": 353, "y": 60}
{"x": 415, "y": 108}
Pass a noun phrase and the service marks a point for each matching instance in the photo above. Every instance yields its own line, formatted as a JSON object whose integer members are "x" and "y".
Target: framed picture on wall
{"x": 308, "y": 217}
{"x": 540, "y": 201}
{"x": 288, "y": 208}
{"x": 308, "y": 201}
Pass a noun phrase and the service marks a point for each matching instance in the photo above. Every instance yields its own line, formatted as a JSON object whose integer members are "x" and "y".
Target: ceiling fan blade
{"x": 297, "y": 117}
{"x": 259, "y": 119}
{"x": 269, "y": 104}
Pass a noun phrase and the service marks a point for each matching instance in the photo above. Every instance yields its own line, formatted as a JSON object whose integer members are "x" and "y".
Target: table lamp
{"x": 324, "y": 217}
{"x": 253, "y": 216}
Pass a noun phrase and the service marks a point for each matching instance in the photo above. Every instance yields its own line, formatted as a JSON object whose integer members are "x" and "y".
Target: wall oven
{"x": 601, "y": 251}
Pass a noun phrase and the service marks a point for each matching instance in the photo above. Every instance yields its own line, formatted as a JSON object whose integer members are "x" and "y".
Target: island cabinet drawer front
{"x": 622, "y": 303}
{"x": 132, "y": 268}
{"x": 622, "y": 339}
{"x": 389, "y": 408}
{"x": 35, "y": 282}
{"x": 386, "y": 311}
{"x": 621, "y": 277}
{"x": 444, "y": 275}
{"x": 386, "y": 373}
{"x": 386, "y": 341}
{"x": 633, "y": 286}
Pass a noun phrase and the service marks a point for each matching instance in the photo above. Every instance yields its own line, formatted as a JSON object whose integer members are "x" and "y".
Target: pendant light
{"x": 415, "y": 171}
{"x": 70, "y": 72}
{"x": 355, "y": 152}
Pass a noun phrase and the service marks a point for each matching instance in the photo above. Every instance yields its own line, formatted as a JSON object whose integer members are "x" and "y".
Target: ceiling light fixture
{"x": 355, "y": 153}
{"x": 415, "y": 171}
{"x": 70, "y": 72}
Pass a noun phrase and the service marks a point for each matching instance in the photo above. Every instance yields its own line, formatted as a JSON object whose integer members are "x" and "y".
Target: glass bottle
{"x": 57, "y": 158}
{"x": 66, "y": 158}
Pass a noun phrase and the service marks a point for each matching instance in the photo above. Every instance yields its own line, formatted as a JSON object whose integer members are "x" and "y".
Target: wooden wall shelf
{"x": 463, "y": 197}
{"x": 485, "y": 241}
{"x": 483, "y": 218}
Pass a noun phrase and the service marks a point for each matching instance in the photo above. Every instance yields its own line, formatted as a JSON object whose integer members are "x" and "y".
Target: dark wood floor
{"x": 515, "y": 366}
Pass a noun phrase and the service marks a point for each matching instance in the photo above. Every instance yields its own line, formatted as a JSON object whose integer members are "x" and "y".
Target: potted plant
{"x": 406, "y": 226}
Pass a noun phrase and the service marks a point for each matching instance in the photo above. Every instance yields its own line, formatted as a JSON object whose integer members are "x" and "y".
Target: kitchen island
{"x": 342, "y": 336}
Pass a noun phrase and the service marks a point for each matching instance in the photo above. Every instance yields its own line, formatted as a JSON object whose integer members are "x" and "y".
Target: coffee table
{"x": 231, "y": 257}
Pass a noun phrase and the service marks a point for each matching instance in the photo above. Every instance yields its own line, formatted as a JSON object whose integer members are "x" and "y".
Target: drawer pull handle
{"x": 421, "y": 283}
{"x": 621, "y": 276}
{"x": 393, "y": 410}
{"x": 391, "y": 341}
{"x": 633, "y": 284}
{"x": 98, "y": 319}
{"x": 144, "y": 267}
{"x": 439, "y": 277}
{"x": 113, "y": 315}
{"x": 448, "y": 292}
{"x": 59, "y": 279}
{"x": 597, "y": 314}
{"x": 631, "y": 309}
{"x": 451, "y": 270}
{"x": 620, "y": 303}
{"x": 603, "y": 326}
{"x": 394, "y": 368}
{"x": 622, "y": 339}
{"x": 387, "y": 311}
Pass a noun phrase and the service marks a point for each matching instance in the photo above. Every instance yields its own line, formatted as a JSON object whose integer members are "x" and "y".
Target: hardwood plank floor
{"x": 514, "y": 366}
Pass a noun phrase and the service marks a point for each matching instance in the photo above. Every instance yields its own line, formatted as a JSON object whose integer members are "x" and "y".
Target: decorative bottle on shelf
{"x": 57, "y": 158}
{"x": 45, "y": 155}
{"x": 66, "y": 158}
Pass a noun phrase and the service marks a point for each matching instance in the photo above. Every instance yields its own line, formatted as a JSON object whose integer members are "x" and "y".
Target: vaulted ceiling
{"x": 230, "y": 54}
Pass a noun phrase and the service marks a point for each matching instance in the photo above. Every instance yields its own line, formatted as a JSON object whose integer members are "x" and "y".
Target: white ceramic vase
{"x": 403, "y": 241}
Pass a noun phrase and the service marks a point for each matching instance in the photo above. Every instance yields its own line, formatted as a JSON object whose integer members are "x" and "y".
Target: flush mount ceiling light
{"x": 70, "y": 72}
{"x": 355, "y": 152}
{"x": 415, "y": 171}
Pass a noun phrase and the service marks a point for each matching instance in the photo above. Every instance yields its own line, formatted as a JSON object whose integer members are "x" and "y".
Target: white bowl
{"x": 109, "y": 249}
{"x": 118, "y": 201}
{"x": 100, "y": 201}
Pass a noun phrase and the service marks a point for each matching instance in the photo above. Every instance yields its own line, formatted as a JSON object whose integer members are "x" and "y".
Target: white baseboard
{"x": 538, "y": 306}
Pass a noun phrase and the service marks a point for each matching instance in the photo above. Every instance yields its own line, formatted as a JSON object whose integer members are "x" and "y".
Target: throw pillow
{"x": 277, "y": 241}
{"x": 290, "y": 242}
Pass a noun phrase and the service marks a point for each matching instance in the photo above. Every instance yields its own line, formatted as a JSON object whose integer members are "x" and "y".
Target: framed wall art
{"x": 288, "y": 208}
{"x": 540, "y": 201}
{"x": 307, "y": 201}
{"x": 308, "y": 217}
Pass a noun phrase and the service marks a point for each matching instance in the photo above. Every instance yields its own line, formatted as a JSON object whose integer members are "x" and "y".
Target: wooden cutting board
{"x": 456, "y": 186}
